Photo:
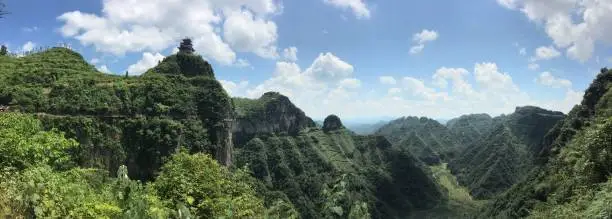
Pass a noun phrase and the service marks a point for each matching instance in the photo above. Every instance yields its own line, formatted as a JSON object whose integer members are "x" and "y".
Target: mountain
{"x": 138, "y": 121}
{"x": 502, "y": 149}
{"x": 163, "y": 126}
{"x": 365, "y": 128}
{"x": 301, "y": 166}
{"x": 426, "y": 138}
{"x": 572, "y": 176}
{"x": 271, "y": 113}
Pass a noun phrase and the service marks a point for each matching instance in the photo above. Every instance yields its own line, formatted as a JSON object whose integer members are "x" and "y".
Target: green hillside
{"x": 118, "y": 120}
{"x": 572, "y": 179}
{"x": 426, "y": 138}
{"x": 390, "y": 181}
{"x": 503, "y": 155}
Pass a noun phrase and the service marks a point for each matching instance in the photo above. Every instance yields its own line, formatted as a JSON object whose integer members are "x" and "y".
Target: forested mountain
{"x": 171, "y": 143}
{"x": 426, "y": 138}
{"x": 499, "y": 156}
{"x": 572, "y": 179}
{"x": 389, "y": 180}
{"x": 94, "y": 132}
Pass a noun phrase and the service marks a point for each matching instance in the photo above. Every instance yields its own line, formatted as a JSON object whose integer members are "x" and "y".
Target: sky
{"x": 363, "y": 60}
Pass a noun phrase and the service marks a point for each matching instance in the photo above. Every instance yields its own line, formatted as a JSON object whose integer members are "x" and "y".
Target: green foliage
{"x": 206, "y": 188}
{"x": 184, "y": 64}
{"x": 77, "y": 193}
{"x": 24, "y": 144}
{"x": 426, "y": 138}
{"x": 3, "y": 49}
{"x": 574, "y": 165}
{"x": 302, "y": 166}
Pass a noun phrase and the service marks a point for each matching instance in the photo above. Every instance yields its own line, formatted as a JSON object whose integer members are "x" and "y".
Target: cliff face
{"x": 271, "y": 113}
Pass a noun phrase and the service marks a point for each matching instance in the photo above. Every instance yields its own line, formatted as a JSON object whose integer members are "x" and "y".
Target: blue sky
{"x": 348, "y": 57}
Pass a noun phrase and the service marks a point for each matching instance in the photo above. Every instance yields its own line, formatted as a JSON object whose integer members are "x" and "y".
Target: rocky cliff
{"x": 271, "y": 113}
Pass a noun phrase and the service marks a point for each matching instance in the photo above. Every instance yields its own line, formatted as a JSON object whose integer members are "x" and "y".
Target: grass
{"x": 460, "y": 203}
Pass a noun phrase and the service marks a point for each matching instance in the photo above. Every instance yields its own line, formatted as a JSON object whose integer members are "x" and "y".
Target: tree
{"x": 24, "y": 143}
{"x": 206, "y": 188}
{"x": 3, "y": 50}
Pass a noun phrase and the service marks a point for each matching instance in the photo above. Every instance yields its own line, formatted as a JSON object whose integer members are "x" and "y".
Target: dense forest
{"x": 171, "y": 143}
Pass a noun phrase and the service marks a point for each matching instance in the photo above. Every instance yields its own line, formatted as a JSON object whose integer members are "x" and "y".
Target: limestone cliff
{"x": 271, "y": 113}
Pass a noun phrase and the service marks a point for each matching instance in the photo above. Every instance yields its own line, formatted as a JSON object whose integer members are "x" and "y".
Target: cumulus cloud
{"x": 421, "y": 38}
{"x": 533, "y": 66}
{"x": 103, "y": 69}
{"x": 350, "y": 83}
{"x": 545, "y": 53}
{"x": 94, "y": 61}
{"x": 523, "y": 51}
{"x": 247, "y": 33}
{"x": 148, "y": 61}
{"x": 359, "y": 7}
{"x": 329, "y": 86}
{"x": 30, "y": 29}
{"x": 28, "y": 46}
{"x": 290, "y": 54}
{"x": 235, "y": 89}
{"x": 242, "y": 63}
{"x": 156, "y": 25}
{"x": 547, "y": 79}
{"x": 388, "y": 80}
{"x": 573, "y": 25}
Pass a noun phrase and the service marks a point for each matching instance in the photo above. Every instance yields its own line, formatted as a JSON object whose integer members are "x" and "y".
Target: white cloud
{"x": 425, "y": 36}
{"x": 417, "y": 49}
{"x": 359, "y": 7}
{"x": 447, "y": 94}
{"x": 523, "y": 51}
{"x": 547, "y": 79}
{"x": 545, "y": 53}
{"x": 510, "y": 4}
{"x": 94, "y": 61}
{"x": 247, "y": 33}
{"x": 394, "y": 91}
{"x": 242, "y": 63}
{"x": 421, "y": 38}
{"x": 573, "y": 25}
{"x": 328, "y": 67}
{"x": 104, "y": 69}
{"x": 28, "y": 46}
{"x": 350, "y": 83}
{"x": 156, "y": 25}
{"x": 234, "y": 89}
{"x": 457, "y": 76}
{"x": 533, "y": 66}
{"x": 290, "y": 54}
{"x": 388, "y": 80}
{"x": 30, "y": 29}
{"x": 418, "y": 88}
{"x": 148, "y": 61}
{"x": 488, "y": 76}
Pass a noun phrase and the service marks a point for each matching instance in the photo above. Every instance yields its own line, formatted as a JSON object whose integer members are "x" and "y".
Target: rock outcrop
{"x": 331, "y": 123}
{"x": 271, "y": 113}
